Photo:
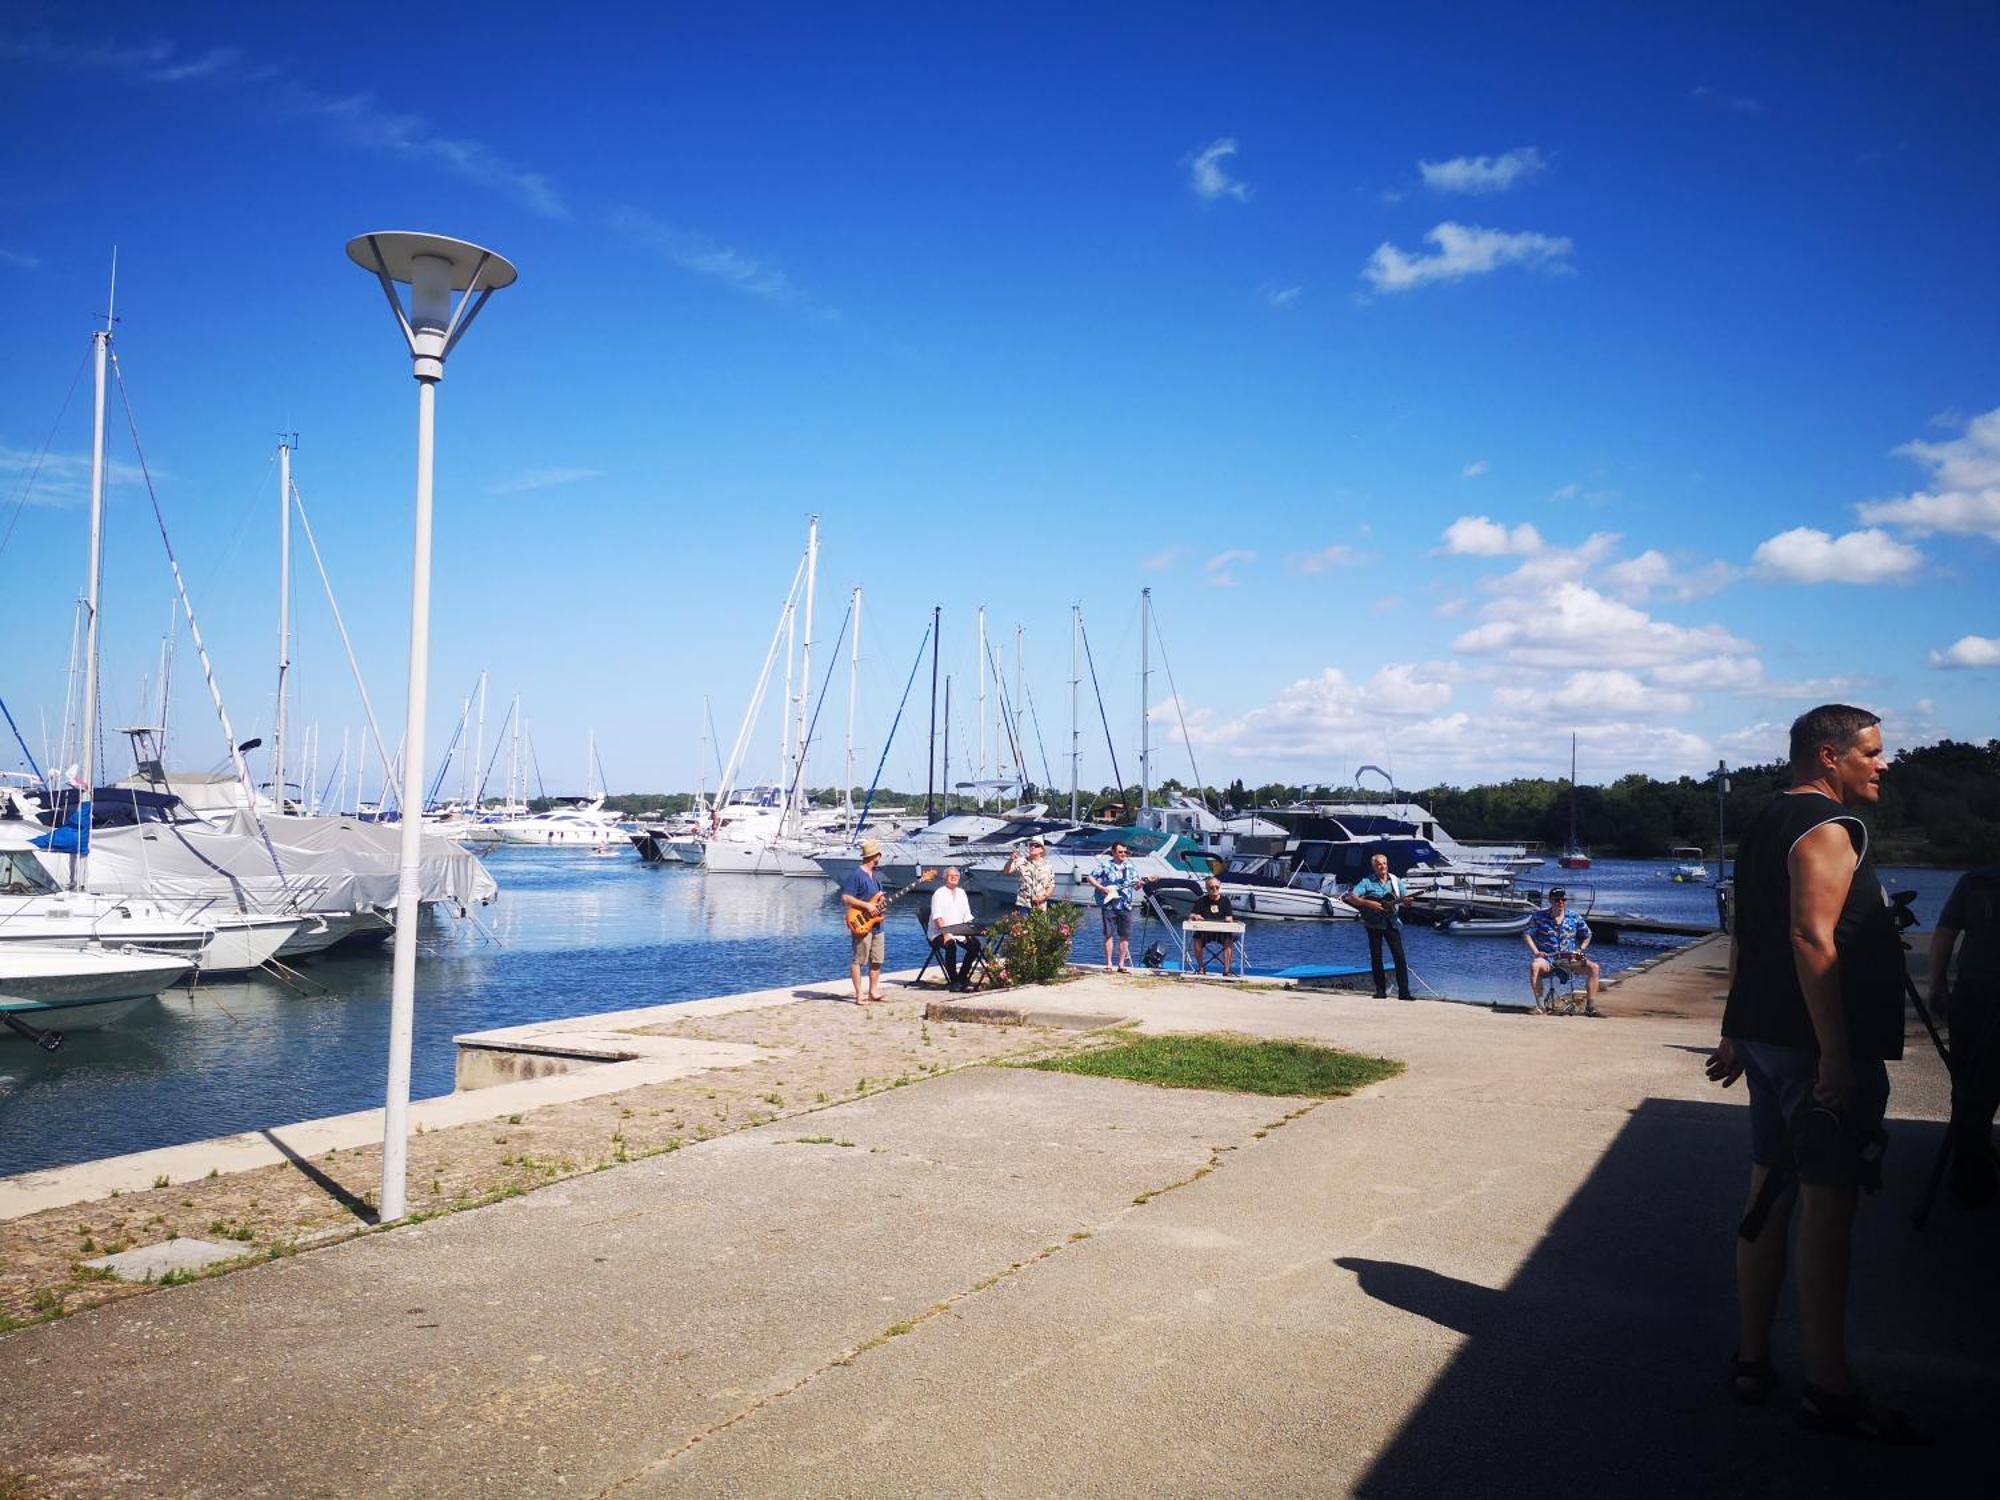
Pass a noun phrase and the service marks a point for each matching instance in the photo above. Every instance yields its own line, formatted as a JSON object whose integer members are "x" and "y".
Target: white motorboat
{"x": 78, "y": 919}
{"x": 80, "y": 989}
{"x": 1690, "y": 867}
{"x": 245, "y": 940}
{"x": 574, "y": 823}
{"x": 1488, "y": 926}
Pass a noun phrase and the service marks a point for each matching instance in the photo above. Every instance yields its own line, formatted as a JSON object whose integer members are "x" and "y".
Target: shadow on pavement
{"x": 1599, "y": 1368}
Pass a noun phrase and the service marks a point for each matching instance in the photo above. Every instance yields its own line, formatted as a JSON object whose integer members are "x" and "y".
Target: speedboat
{"x": 1690, "y": 867}
{"x": 80, "y": 989}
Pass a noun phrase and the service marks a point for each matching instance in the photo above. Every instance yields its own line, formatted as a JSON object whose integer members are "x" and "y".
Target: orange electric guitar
{"x": 861, "y": 923}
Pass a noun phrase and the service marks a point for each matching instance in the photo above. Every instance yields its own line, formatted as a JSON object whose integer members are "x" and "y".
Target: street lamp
{"x": 433, "y": 267}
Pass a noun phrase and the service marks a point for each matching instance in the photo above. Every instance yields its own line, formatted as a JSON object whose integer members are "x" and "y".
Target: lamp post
{"x": 433, "y": 268}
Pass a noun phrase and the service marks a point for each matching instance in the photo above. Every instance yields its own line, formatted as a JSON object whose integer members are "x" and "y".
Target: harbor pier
{"x": 981, "y": 1279}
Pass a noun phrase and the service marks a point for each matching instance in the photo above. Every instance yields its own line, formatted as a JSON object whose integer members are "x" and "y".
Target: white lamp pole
{"x": 433, "y": 267}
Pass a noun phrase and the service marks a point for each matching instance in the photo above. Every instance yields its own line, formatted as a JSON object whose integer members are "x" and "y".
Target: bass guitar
{"x": 861, "y": 923}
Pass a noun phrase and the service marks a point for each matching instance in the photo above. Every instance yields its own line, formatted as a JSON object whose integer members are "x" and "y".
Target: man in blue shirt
{"x": 861, "y": 898}
{"x": 1559, "y": 938}
{"x": 1376, "y": 896}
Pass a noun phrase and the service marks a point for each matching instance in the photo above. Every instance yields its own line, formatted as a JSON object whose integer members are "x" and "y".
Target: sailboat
{"x": 1574, "y": 855}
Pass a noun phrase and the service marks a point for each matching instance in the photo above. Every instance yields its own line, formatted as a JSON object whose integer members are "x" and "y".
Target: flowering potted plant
{"x": 1032, "y": 947}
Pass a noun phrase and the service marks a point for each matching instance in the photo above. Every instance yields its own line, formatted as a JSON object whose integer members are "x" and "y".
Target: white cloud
{"x": 59, "y": 478}
{"x": 354, "y": 119}
{"x": 1969, "y": 651}
{"x": 1652, "y": 572}
{"x": 1701, "y": 93}
{"x": 1597, "y": 693}
{"x": 1803, "y": 555}
{"x": 216, "y": 60}
{"x": 1283, "y": 298}
{"x": 19, "y": 261}
{"x": 542, "y": 479}
{"x": 1575, "y": 626}
{"x": 1714, "y": 672}
{"x": 1477, "y": 536}
{"x": 1547, "y": 565}
{"x": 1160, "y": 561}
{"x": 1473, "y": 470}
{"x": 1964, "y": 494}
{"x": 360, "y": 120}
{"x": 1461, "y": 251}
{"x": 1322, "y": 715}
{"x": 1220, "y": 568}
{"x": 1327, "y": 559}
{"x": 690, "y": 250}
{"x": 1207, "y": 176}
{"x": 1482, "y": 174}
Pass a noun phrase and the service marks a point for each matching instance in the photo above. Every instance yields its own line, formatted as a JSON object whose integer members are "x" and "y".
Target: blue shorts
{"x": 1117, "y": 921}
{"x": 1780, "y": 1079}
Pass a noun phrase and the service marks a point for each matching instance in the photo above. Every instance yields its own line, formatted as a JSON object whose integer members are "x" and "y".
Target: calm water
{"x": 570, "y": 935}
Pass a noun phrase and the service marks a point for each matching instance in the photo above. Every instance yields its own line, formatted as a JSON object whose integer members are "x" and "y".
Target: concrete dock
{"x": 1506, "y": 1271}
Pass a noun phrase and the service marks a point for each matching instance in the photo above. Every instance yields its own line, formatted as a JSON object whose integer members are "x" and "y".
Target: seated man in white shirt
{"x": 952, "y": 908}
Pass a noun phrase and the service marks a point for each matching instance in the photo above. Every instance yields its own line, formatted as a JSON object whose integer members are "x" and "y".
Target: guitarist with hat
{"x": 861, "y": 895}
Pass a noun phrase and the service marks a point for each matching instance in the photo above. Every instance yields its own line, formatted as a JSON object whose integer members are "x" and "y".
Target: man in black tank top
{"x": 1815, "y": 1007}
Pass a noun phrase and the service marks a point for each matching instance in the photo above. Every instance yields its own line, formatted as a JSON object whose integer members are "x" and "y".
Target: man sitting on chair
{"x": 1559, "y": 940}
{"x": 951, "y": 931}
{"x": 1212, "y": 907}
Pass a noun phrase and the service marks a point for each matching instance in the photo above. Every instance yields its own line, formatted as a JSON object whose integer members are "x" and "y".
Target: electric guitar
{"x": 861, "y": 923}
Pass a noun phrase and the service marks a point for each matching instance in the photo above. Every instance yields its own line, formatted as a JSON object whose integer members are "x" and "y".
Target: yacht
{"x": 571, "y": 823}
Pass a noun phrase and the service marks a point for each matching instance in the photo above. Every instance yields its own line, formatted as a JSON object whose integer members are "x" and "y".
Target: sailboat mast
{"x": 1572, "y": 794}
{"x": 478, "y": 750}
{"x": 1075, "y": 683}
{"x": 1020, "y": 679}
{"x": 796, "y": 812}
{"x": 1145, "y": 699}
{"x": 930, "y": 752}
{"x": 100, "y": 358}
{"x": 284, "y": 617}
{"x": 853, "y": 679}
{"x": 980, "y": 715}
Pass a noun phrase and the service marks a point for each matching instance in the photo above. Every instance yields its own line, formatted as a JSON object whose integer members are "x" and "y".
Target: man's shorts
{"x": 871, "y": 947}
{"x": 1117, "y": 921}
{"x": 1780, "y": 1079}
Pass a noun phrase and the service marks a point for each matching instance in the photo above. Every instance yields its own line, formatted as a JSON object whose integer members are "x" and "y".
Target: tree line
{"x": 1940, "y": 805}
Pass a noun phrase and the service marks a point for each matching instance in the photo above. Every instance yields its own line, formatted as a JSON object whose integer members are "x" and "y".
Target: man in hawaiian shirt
{"x": 1558, "y": 939}
{"x": 1117, "y": 882}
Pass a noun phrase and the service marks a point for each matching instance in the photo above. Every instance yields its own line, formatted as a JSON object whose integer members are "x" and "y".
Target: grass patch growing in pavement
{"x": 1228, "y": 1064}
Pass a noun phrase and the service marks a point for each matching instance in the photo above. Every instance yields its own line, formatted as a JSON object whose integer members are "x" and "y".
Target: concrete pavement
{"x": 1507, "y": 1269}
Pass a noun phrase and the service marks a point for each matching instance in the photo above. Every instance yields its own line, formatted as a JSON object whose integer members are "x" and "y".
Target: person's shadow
{"x": 1599, "y": 1368}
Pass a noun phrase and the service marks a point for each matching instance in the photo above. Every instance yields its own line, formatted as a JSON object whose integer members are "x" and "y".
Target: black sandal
{"x": 1854, "y": 1415}
{"x": 1751, "y": 1381}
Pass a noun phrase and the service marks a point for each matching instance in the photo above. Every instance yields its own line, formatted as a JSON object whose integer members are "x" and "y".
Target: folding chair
{"x": 923, "y": 911}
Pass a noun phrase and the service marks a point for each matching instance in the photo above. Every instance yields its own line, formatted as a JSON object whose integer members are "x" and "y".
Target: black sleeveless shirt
{"x": 1766, "y": 1002}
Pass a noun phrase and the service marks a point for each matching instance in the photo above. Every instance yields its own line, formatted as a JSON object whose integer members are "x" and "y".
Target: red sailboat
{"x": 1574, "y": 855}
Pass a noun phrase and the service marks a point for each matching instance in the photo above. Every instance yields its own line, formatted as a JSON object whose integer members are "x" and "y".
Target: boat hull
{"x": 71, "y": 989}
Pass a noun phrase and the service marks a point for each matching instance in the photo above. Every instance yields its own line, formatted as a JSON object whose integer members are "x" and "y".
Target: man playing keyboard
{"x": 951, "y": 931}
{"x": 1212, "y": 907}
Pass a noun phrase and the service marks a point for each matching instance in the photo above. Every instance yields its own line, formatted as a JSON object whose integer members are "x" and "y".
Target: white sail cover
{"x": 323, "y": 864}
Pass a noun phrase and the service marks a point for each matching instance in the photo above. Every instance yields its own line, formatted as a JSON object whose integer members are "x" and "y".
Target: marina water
{"x": 573, "y": 935}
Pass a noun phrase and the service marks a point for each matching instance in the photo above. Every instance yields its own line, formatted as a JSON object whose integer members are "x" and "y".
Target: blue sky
{"x": 1456, "y": 382}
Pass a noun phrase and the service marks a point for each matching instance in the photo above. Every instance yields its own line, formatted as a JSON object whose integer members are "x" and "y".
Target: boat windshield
{"x": 21, "y": 874}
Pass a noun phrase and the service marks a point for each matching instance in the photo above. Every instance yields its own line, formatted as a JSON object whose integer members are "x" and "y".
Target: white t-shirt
{"x": 949, "y": 907}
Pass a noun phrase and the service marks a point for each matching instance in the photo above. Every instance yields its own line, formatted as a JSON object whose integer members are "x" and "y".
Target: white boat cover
{"x": 327, "y": 864}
